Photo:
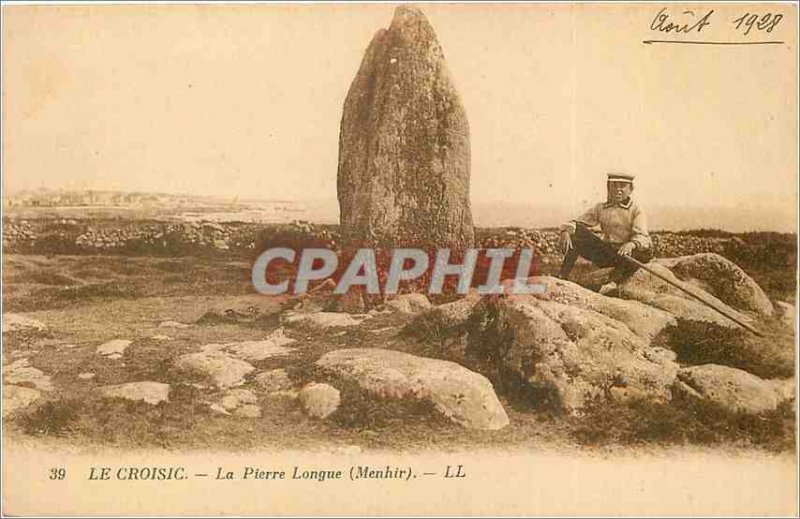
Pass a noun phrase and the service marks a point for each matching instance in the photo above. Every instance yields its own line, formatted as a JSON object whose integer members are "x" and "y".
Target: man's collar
{"x": 625, "y": 204}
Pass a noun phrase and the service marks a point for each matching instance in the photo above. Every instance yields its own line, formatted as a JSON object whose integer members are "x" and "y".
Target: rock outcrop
{"x": 654, "y": 292}
{"x": 643, "y": 320}
{"x": 461, "y": 395}
{"x": 723, "y": 279}
{"x": 404, "y": 152}
{"x": 733, "y": 389}
{"x": 565, "y": 355}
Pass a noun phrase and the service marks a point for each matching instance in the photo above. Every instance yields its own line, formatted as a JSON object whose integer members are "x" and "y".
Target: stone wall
{"x": 143, "y": 237}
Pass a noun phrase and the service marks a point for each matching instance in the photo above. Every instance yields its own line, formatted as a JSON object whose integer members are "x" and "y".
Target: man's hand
{"x": 565, "y": 242}
{"x": 626, "y": 249}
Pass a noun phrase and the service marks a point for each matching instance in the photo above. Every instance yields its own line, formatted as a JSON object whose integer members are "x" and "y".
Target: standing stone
{"x": 404, "y": 154}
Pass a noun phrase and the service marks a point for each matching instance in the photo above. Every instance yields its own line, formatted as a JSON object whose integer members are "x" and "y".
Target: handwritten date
{"x": 663, "y": 23}
{"x": 766, "y": 22}
{"x": 690, "y": 22}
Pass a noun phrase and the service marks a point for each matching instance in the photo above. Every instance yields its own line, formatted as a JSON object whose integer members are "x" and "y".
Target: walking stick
{"x": 719, "y": 310}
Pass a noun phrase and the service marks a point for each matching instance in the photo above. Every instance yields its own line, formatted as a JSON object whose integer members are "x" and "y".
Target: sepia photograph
{"x": 381, "y": 259}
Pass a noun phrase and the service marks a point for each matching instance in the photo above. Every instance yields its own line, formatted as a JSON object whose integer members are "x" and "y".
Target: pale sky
{"x": 246, "y": 101}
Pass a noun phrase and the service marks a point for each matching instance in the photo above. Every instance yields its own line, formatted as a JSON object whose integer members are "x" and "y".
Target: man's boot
{"x": 569, "y": 261}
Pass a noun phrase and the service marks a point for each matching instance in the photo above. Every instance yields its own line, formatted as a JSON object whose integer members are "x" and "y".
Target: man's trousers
{"x": 603, "y": 254}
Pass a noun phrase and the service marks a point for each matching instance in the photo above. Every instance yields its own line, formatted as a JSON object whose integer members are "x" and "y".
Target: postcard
{"x": 372, "y": 259}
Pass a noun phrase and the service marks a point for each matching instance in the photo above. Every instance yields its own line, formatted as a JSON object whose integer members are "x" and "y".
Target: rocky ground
{"x": 178, "y": 352}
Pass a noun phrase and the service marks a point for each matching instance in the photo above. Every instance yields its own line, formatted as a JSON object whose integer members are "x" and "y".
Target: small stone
{"x": 161, "y": 338}
{"x": 223, "y": 370}
{"x": 21, "y": 372}
{"x": 149, "y": 392}
{"x": 116, "y": 347}
{"x": 409, "y": 303}
{"x": 327, "y": 319}
{"x": 218, "y": 409}
{"x": 173, "y": 324}
{"x": 274, "y": 380}
{"x": 86, "y": 376}
{"x": 237, "y": 397}
{"x": 272, "y": 346}
{"x": 319, "y": 400}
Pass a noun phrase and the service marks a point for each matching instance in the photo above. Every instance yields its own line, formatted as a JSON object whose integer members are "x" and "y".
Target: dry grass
{"x": 88, "y": 300}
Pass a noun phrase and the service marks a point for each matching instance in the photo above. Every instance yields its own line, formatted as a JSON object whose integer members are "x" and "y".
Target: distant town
{"x": 536, "y": 214}
{"x": 51, "y": 203}
{"x": 85, "y": 198}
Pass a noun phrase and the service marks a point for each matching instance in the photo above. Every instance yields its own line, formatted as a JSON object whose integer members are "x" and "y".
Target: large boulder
{"x": 643, "y": 320}
{"x": 652, "y": 291}
{"x": 461, "y": 395}
{"x": 404, "y": 152}
{"x": 565, "y": 355}
{"x": 723, "y": 279}
{"x": 733, "y": 389}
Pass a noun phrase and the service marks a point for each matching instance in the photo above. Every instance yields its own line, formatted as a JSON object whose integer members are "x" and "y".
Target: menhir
{"x": 404, "y": 156}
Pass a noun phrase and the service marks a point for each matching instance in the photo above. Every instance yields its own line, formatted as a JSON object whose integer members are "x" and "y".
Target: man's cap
{"x": 620, "y": 177}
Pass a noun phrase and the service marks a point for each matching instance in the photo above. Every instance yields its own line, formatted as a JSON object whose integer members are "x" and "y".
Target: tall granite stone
{"x": 404, "y": 155}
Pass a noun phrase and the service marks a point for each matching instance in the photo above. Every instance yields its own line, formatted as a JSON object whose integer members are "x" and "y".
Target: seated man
{"x": 624, "y": 229}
